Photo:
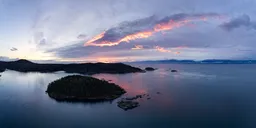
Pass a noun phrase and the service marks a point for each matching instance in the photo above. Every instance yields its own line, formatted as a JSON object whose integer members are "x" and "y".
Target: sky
{"x": 127, "y": 30}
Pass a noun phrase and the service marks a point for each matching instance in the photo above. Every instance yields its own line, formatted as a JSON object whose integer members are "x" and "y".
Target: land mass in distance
{"x": 83, "y": 68}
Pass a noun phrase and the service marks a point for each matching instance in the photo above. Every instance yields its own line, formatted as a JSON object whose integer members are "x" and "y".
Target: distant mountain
{"x": 167, "y": 61}
{"x": 208, "y": 61}
{"x": 84, "y": 68}
{"x": 214, "y": 61}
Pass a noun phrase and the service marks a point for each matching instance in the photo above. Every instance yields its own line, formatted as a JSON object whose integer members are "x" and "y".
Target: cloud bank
{"x": 241, "y": 21}
{"x": 144, "y": 28}
{"x": 59, "y": 29}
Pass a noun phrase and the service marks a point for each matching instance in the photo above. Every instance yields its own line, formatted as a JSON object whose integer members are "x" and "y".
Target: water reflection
{"x": 163, "y": 73}
{"x": 133, "y": 84}
{"x": 195, "y": 96}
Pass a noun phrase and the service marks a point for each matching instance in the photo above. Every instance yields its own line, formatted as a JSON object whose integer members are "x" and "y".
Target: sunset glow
{"x": 127, "y": 63}
{"x": 161, "y": 49}
{"x": 161, "y": 27}
{"x": 170, "y": 25}
{"x": 96, "y": 38}
{"x": 139, "y": 35}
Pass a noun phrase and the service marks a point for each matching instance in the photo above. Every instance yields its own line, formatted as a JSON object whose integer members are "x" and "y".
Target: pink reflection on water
{"x": 139, "y": 84}
{"x": 132, "y": 84}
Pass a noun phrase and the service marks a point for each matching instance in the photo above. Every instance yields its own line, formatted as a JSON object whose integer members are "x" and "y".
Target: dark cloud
{"x": 147, "y": 24}
{"x": 193, "y": 38}
{"x": 39, "y": 39}
{"x": 42, "y": 42}
{"x": 128, "y": 27}
{"x": 13, "y": 49}
{"x": 78, "y": 50}
{"x": 241, "y": 21}
{"x": 184, "y": 16}
{"x": 81, "y": 36}
{"x": 205, "y": 37}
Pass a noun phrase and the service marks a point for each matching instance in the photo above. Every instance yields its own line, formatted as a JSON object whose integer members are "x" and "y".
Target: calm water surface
{"x": 198, "y": 96}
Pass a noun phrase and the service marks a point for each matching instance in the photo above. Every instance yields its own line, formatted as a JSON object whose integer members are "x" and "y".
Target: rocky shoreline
{"x": 131, "y": 102}
{"x": 126, "y": 105}
{"x": 149, "y": 69}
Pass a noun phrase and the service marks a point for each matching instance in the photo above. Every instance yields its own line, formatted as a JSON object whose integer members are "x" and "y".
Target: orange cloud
{"x": 140, "y": 35}
{"x": 160, "y": 27}
{"x": 161, "y": 49}
{"x": 170, "y": 25}
{"x": 127, "y": 38}
{"x": 96, "y": 38}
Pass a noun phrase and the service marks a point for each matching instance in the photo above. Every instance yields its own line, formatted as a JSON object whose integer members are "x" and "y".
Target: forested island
{"x": 83, "y": 88}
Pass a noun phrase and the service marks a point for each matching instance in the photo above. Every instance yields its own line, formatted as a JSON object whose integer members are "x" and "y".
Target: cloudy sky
{"x": 127, "y": 30}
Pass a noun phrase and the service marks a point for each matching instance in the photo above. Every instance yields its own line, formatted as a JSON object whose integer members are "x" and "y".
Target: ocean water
{"x": 197, "y": 96}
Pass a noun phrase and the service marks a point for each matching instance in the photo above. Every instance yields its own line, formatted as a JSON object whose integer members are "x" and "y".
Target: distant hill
{"x": 208, "y": 61}
{"x": 22, "y": 61}
{"x": 213, "y": 61}
{"x": 83, "y": 68}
